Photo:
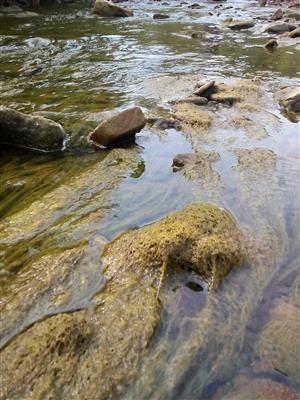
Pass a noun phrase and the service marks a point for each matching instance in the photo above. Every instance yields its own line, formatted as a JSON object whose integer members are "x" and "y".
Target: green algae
{"x": 72, "y": 354}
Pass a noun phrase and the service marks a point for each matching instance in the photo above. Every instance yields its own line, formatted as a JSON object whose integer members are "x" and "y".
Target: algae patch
{"x": 96, "y": 353}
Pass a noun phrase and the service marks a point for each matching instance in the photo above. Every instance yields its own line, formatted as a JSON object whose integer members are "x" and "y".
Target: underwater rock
{"x": 271, "y": 44}
{"x": 278, "y": 343}
{"x": 119, "y": 128}
{"x": 281, "y": 27}
{"x": 107, "y": 9}
{"x": 289, "y": 99}
{"x": 28, "y": 131}
{"x": 96, "y": 353}
{"x": 257, "y": 160}
{"x": 246, "y": 388}
{"x": 163, "y": 123}
{"x": 238, "y": 25}
{"x": 198, "y": 167}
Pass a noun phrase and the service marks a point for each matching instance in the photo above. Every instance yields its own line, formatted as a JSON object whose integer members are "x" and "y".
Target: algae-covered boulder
{"x": 202, "y": 237}
{"x": 28, "y": 131}
{"x": 96, "y": 352}
{"x": 108, "y": 9}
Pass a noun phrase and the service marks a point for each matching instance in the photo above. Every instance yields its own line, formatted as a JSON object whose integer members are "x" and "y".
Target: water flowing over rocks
{"x": 37, "y": 133}
{"x": 201, "y": 303}
{"x": 73, "y": 353}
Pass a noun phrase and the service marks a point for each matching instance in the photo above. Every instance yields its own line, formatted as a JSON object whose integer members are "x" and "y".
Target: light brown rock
{"x": 120, "y": 128}
{"x": 107, "y": 9}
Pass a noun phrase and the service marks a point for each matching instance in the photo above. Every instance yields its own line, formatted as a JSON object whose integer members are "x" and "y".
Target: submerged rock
{"x": 37, "y": 133}
{"x": 198, "y": 166}
{"x": 246, "y": 388}
{"x": 119, "y": 128}
{"x": 278, "y": 344}
{"x": 97, "y": 353}
{"x": 163, "y": 123}
{"x": 107, "y": 9}
{"x": 191, "y": 116}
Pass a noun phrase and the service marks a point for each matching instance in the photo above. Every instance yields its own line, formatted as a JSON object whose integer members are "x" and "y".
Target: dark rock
{"x": 28, "y": 131}
{"x": 181, "y": 160}
{"x": 295, "y": 33}
{"x": 204, "y": 88}
{"x": 120, "y": 128}
{"x": 161, "y": 16}
{"x": 238, "y": 25}
{"x": 271, "y": 44}
{"x": 289, "y": 99}
{"x": 107, "y": 9}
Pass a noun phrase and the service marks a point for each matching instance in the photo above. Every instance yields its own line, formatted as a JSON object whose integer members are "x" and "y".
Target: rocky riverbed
{"x": 150, "y": 250}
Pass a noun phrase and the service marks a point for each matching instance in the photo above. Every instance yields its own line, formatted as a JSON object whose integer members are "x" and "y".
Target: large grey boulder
{"x": 107, "y": 9}
{"x": 120, "y": 128}
{"x": 29, "y": 131}
{"x": 281, "y": 27}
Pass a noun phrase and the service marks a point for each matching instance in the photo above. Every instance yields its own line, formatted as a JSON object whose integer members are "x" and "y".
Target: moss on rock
{"x": 96, "y": 353}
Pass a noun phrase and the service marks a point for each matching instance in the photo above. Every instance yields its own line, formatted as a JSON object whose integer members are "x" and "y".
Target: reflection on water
{"x": 72, "y": 66}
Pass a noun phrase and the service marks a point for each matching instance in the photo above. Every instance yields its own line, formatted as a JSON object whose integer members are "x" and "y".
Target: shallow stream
{"x": 75, "y": 68}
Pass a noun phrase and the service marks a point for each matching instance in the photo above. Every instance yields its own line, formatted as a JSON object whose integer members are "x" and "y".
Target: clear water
{"x": 75, "y": 67}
